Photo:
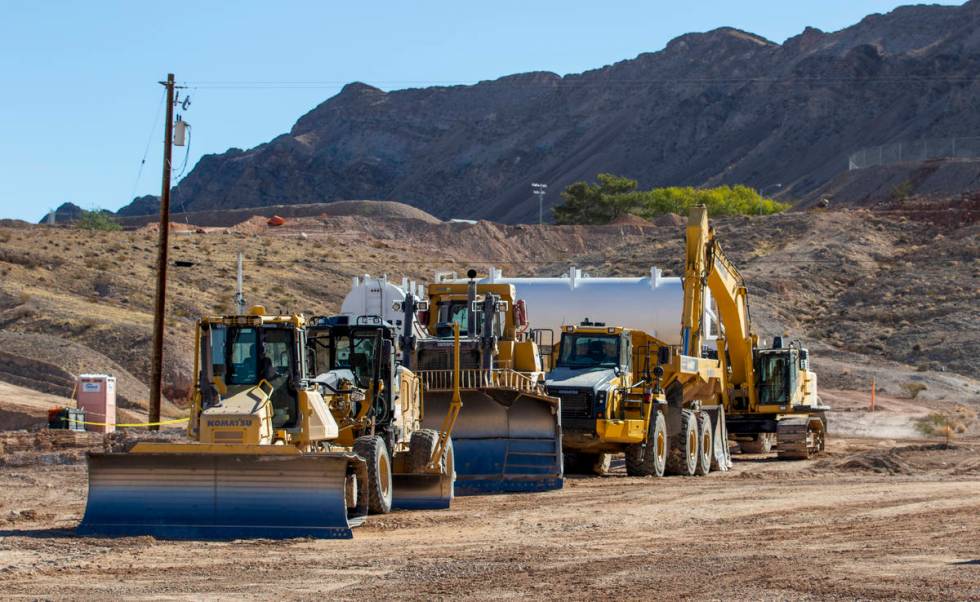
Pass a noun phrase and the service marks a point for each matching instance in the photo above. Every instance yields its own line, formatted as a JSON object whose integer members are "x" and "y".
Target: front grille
{"x": 441, "y": 358}
{"x": 577, "y": 407}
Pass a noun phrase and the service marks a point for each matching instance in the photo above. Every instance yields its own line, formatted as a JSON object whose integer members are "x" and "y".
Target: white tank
{"x": 650, "y": 303}
{"x": 373, "y": 296}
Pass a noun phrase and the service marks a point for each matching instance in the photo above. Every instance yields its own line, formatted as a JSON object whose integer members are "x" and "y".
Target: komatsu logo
{"x": 241, "y": 422}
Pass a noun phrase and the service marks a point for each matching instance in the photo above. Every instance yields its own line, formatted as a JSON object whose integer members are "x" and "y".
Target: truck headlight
{"x": 600, "y": 402}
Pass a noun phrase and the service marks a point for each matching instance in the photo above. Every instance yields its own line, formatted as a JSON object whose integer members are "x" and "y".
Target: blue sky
{"x": 80, "y": 94}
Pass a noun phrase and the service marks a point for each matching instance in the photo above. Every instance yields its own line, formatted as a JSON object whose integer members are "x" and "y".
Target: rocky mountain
{"x": 724, "y": 106}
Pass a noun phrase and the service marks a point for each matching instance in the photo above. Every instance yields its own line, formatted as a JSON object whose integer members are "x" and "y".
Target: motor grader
{"x": 508, "y": 436}
{"x": 274, "y": 452}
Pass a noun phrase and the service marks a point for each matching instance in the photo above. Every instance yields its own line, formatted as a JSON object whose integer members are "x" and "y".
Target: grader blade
{"x": 422, "y": 491}
{"x": 225, "y": 496}
{"x": 505, "y": 441}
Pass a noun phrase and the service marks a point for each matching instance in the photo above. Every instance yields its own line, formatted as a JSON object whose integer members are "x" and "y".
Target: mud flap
{"x": 722, "y": 459}
{"x": 223, "y": 496}
{"x": 505, "y": 441}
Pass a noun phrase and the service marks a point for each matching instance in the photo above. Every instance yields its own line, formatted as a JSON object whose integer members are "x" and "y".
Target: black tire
{"x": 683, "y": 456}
{"x": 634, "y": 459}
{"x": 657, "y": 451}
{"x": 706, "y": 444}
{"x": 375, "y": 453}
{"x": 420, "y": 449}
{"x": 649, "y": 458}
{"x": 583, "y": 464}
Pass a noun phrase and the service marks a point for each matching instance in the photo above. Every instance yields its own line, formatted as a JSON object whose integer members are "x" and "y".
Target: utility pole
{"x": 163, "y": 248}
{"x": 539, "y": 191}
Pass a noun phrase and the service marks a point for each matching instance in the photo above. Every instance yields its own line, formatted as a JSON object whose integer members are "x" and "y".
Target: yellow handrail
{"x": 454, "y": 406}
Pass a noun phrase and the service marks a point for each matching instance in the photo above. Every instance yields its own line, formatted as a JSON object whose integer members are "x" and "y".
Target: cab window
{"x": 242, "y": 356}
{"x": 589, "y": 351}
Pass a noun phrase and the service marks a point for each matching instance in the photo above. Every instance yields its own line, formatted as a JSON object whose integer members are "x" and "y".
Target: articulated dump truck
{"x": 614, "y": 398}
{"x": 508, "y": 434}
{"x": 274, "y": 452}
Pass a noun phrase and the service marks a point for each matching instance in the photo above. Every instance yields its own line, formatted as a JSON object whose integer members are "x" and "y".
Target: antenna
{"x": 240, "y": 294}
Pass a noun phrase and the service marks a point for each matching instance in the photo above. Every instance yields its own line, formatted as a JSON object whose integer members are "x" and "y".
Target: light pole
{"x": 539, "y": 191}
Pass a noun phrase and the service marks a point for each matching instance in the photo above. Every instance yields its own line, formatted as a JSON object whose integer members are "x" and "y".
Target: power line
{"x": 575, "y": 81}
{"x": 149, "y": 140}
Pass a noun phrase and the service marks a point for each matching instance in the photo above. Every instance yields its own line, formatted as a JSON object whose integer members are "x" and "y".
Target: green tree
{"x": 600, "y": 203}
{"x": 614, "y": 196}
{"x": 97, "y": 219}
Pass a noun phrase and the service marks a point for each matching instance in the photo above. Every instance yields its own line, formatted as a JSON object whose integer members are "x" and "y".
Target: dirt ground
{"x": 870, "y": 519}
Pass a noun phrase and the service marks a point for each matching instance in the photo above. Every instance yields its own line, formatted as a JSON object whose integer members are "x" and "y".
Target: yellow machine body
{"x": 261, "y": 461}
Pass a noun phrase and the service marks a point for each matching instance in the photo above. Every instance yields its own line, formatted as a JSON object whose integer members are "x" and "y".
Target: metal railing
{"x": 471, "y": 379}
{"x": 915, "y": 151}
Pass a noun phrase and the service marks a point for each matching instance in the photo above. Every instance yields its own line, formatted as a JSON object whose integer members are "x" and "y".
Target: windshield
{"x": 458, "y": 312}
{"x": 243, "y": 359}
{"x": 589, "y": 351}
{"x": 774, "y": 378}
{"x": 348, "y": 352}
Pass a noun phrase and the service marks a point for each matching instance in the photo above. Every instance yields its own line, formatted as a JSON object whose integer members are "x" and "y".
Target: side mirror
{"x": 663, "y": 355}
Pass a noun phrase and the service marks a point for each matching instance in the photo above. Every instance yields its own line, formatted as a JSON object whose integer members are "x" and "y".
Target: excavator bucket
{"x": 225, "y": 495}
{"x": 505, "y": 440}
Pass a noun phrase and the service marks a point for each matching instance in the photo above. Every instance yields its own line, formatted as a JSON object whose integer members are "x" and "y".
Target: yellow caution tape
{"x": 134, "y": 424}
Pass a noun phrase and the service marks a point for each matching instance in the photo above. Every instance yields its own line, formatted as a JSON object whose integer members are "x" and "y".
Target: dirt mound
{"x": 154, "y": 227}
{"x": 50, "y": 364}
{"x": 379, "y": 209}
{"x": 907, "y": 460}
{"x": 253, "y": 225}
{"x": 22, "y": 448}
{"x": 630, "y": 220}
{"x": 670, "y": 220}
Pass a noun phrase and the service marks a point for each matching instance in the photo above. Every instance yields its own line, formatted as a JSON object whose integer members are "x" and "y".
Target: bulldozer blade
{"x": 505, "y": 441}
{"x": 422, "y": 491}
{"x": 223, "y": 496}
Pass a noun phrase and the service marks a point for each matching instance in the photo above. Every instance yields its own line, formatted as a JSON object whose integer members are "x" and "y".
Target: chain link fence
{"x": 915, "y": 151}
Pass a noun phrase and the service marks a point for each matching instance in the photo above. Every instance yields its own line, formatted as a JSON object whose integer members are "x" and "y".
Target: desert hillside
{"x": 890, "y": 292}
{"x": 721, "y": 107}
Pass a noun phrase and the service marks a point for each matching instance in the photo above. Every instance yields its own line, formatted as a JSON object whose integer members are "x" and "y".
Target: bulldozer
{"x": 508, "y": 435}
{"x": 273, "y": 452}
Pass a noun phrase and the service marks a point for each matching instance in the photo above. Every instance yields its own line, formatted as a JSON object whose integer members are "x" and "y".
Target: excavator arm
{"x": 707, "y": 265}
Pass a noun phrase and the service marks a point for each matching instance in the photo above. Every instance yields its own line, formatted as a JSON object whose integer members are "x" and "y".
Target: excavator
{"x": 672, "y": 403}
{"x": 274, "y": 452}
{"x": 769, "y": 393}
{"x": 508, "y": 435}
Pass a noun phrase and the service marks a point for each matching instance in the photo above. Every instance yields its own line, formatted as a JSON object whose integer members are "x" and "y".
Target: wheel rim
{"x": 661, "y": 447}
{"x": 692, "y": 445}
{"x": 384, "y": 475}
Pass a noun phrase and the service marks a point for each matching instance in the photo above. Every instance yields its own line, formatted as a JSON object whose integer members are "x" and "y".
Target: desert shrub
{"x": 912, "y": 389}
{"x": 97, "y": 219}
{"x": 614, "y": 196}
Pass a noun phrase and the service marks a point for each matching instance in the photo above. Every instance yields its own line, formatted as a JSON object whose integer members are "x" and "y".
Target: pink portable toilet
{"x": 97, "y": 396}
